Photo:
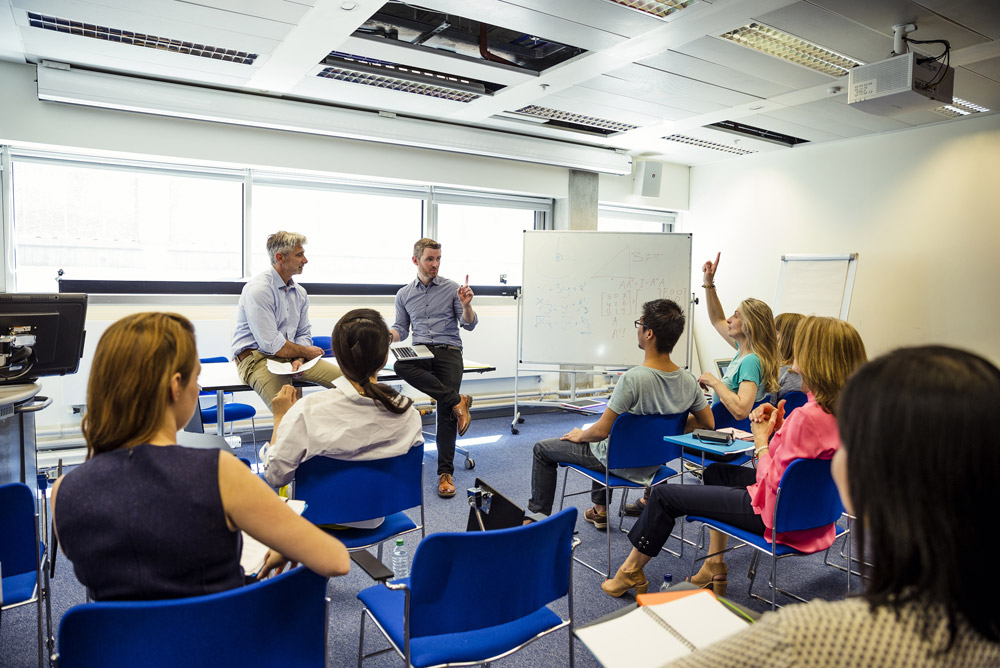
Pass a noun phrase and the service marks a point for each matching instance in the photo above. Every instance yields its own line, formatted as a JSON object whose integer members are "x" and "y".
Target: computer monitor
{"x": 41, "y": 334}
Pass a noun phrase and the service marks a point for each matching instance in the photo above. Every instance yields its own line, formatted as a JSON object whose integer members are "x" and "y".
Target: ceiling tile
{"x": 714, "y": 74}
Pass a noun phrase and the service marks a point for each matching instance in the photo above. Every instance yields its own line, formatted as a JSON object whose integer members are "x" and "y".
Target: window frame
{"x": 431, "y": 196}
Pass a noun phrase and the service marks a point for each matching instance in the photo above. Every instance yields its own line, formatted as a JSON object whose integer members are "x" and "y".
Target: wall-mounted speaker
{"x": 646, "y": 182}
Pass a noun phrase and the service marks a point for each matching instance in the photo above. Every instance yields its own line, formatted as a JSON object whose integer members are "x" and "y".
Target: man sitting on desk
{"x": 272, "y": 322}
{"x": 435, "y": 307}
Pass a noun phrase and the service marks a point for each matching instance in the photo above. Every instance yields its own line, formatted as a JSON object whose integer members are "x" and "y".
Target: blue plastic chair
{"x": 793, "y": 400}
{"x": 23, "y": 559}
{"x": 231, "y": 412}
{"x": 325, "y": 343}
{"x": 635, "y": 441}
{"x": 806, "y": 498}
{"x": 281, "y": 621}
{"x": 498, "y": 584}
{"x": 338, "y": 491}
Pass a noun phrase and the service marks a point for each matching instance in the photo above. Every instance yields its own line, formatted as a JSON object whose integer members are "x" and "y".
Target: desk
{"x": 689, "y": 441}
{"x": 222, "y": 377}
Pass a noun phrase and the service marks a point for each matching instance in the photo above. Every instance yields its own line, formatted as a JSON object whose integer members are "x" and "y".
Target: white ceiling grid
{"x": 666, "y": 76}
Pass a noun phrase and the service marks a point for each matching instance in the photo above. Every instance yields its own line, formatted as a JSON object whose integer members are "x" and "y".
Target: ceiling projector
{"x": 900, "y": 85}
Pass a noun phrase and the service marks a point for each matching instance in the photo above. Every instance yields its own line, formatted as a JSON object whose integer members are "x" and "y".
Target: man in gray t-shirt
{"x": 657, "y": 387}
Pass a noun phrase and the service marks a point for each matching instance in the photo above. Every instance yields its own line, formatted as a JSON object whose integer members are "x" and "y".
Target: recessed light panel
{"x": 794, "y": 49}
{"x": 138, "y": 39}
{"x": 660, "y": 8}
{"x": 397, "y": 84}
{"x": 569, "y": 118}
{"x": 701, "y": 143}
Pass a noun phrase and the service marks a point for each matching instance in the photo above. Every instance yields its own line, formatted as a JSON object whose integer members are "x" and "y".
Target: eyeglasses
{"x": 638, "y": 324}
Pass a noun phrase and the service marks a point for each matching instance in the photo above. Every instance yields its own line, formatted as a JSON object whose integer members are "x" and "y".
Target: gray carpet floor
{"x": 504, "y": 463}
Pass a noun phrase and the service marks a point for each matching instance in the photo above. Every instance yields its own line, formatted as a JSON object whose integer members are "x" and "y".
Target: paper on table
{"x": 700, "y": 619}
{"x": 285, "y": 368}
{"x": 737, "y": 434}
{"x": 634, "y": 640}
{"x": 254, "y": 551}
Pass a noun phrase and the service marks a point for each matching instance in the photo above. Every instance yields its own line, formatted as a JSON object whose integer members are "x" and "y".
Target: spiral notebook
{"x": 654, "y": 635}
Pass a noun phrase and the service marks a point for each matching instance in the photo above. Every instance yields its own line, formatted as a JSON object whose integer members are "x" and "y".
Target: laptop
{"x": 722, "y": 364}
{"x": 497, "y": 511}
{"x": 404, "y": 353}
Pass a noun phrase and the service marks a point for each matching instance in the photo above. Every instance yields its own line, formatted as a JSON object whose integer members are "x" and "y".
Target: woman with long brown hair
{"x": 358, "y": 418}
{"x": 144, "y": 518}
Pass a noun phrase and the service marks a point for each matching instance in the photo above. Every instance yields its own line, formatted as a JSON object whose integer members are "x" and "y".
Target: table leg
{"x": 220, "y": 402}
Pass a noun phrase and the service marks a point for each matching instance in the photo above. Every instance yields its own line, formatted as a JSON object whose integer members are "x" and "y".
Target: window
{"x": 484, "y": 237}
{"x": 121, "y": 223}
{"x": 626, "y": 219}
{"x": 352, "y": 237}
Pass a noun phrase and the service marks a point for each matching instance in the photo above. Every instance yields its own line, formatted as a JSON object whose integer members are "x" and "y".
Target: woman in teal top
{"x": 753, "y": 373}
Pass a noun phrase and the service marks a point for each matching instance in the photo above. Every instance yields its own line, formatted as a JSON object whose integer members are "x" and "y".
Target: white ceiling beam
{"x": 687, "y": 27}
{"x": 971, "y": 55}
{"x": 322, "y": 29}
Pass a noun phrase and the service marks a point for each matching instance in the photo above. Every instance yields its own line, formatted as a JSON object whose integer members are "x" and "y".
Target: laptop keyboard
{"x": 404, "y": 353}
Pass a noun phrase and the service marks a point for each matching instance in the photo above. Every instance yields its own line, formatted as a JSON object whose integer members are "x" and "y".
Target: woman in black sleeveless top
{"x": 144, "y": 518}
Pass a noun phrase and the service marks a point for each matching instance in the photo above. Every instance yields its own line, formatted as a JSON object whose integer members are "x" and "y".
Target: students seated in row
{"x": 657, "y": 387}
{"x": 917, "y": 468}
{"x": 827, "y": 351}
{"x": 753, "y": 373}
{"x": 785, "y": 325}
{"x": 144, "y": 518}
{"x": 358, "y": 418}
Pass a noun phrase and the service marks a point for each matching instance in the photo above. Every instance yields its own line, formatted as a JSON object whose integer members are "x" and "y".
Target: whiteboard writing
{"x": 583, "y": 291}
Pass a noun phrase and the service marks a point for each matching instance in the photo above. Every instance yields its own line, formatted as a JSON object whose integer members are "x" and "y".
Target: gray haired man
{"x": 272, "y": 322}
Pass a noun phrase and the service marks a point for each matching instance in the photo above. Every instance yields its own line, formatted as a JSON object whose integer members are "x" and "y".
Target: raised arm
{"x": 716, "y": 314}
{"x": 252, "y": 506}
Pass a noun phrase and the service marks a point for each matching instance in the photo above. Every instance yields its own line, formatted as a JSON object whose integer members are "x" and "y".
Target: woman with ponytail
{"x": 358, "y": 418}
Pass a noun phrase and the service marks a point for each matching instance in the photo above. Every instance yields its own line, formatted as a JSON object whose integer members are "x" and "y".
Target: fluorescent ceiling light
{"x": 119, "y": 36}
{"x": 397, "y": 84}
{"x": 576, "y": 119}
{"x": 794, "y": 49}
{"x": 960, "y": 107}
{"x": 702, "y": 143}
{"x": 110, "y": 91}
{"x": 660, "y": 8}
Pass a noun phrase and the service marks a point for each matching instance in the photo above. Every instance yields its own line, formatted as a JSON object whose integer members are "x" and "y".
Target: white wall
{"x": 921, "y": 207}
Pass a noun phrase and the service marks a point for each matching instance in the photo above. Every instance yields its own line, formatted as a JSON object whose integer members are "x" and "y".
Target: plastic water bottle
{"x": 668, "y": 582}
{"x": 400, "y": 560}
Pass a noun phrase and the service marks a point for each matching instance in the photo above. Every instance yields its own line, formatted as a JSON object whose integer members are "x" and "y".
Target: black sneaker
{"x": 635, "y": 508}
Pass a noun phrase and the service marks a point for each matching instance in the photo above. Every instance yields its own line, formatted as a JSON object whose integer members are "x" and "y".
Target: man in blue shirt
{"x": 435, "y": 307}
{"x": 272, "y": 322}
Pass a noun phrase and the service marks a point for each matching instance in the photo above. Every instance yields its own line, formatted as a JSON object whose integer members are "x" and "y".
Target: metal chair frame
{"x": 835, "y": 509}
{"x": 666, "y": 452}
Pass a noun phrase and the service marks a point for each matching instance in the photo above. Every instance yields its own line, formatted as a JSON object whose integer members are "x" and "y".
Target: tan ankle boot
{"x": 712, "y": 576}
{"x": 625, "y": 580}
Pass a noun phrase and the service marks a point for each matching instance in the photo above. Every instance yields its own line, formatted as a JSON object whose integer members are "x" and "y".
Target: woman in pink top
{"x": 827, "y": 351}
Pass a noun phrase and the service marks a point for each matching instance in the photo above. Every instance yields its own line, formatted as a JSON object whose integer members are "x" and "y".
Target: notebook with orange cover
{"x": 656, "y": 633}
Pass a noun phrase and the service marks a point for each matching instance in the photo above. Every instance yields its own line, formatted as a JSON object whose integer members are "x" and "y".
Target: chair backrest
{"x": 338, "y": 491}
{"x": 467, "y": 581}
{"x": 794, "y": 399}
{"x": 724, "y": 419}
{"x": 18, "y": 539}
{"x": 324, "y": 342}
{"x": 807, "y": 497}
{"x": 279, "y": 622}
{"x": 637, "y": 440}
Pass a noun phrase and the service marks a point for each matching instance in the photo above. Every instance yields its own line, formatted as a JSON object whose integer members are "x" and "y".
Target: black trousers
{"x": 441, "y": 379}
{"x": 723, "y": 497}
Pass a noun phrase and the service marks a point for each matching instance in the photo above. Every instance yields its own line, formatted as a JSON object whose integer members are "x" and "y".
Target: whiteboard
{"x": 582, "y": 292}
{"x": 816, "y": 284}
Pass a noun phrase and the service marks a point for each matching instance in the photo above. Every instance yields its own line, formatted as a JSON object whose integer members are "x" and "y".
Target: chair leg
{"x": 256, "y": 455}
{"x": 361, "y": 640}
{"x": 562, "y": 498}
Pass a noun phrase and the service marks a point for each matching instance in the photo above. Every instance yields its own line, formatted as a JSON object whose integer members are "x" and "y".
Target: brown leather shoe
{"x": 446, "y": 486}
{"x": 461, "y": 410}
